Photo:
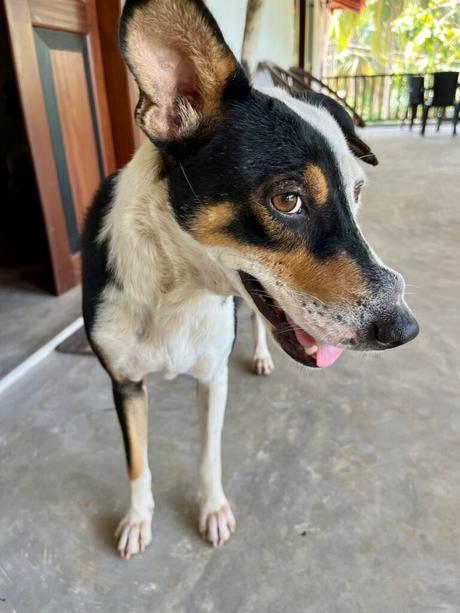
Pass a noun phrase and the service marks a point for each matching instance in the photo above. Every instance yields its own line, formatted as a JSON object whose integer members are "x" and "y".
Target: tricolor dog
{"x": 234, "y": 193}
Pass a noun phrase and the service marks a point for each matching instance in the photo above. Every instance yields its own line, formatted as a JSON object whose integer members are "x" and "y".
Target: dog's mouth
{"x": 295, "y": 341}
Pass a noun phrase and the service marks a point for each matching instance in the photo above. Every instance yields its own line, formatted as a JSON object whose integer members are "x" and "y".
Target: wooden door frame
{"x": 22, "y": 17}
{"x": 117, "y": 82}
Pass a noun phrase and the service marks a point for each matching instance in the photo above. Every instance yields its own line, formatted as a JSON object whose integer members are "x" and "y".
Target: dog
{"x": 235, "y": 192}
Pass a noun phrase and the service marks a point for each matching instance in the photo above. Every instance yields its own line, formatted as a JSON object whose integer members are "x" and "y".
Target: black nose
{"x": 392, "y": 331}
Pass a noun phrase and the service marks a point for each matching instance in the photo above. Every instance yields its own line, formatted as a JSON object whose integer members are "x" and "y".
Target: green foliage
{"x": 430, "y": 36}
{"x": 397, "y": 36}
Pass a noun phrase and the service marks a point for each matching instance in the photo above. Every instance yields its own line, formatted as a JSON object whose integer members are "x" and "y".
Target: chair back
{"x": 416, "y": 89}
{"x": 444, "y": 88}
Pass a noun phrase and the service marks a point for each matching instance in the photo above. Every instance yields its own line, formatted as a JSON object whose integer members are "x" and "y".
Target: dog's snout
{"x": 393, "y": 330}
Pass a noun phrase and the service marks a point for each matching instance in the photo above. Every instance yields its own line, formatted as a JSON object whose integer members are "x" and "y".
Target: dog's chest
{"x": 190, "y": 339}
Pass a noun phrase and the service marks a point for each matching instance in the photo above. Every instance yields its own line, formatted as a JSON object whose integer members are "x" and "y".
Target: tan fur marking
{"x": 317, "y": 187}
{"x": 135, "y": 407}
{"x": 136, "y": 417}
{"x": 335, "y": 280}
{"x": 209, "y": 223}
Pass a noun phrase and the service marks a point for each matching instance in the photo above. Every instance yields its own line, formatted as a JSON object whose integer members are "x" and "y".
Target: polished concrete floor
{"x": 345, "y": 483}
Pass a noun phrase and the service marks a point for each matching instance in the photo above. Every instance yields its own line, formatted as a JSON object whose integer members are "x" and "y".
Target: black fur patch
{"x": 95, "y": 270}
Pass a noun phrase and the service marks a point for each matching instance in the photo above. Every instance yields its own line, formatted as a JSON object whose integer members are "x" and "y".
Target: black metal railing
{"x": 377, "y": 98}
{"x": 380, "y": 98}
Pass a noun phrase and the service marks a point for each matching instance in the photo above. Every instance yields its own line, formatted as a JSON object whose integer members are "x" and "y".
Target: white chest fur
{"x": 194, "y": 337}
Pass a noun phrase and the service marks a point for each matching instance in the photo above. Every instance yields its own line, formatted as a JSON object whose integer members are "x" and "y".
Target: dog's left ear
{"x": 357, "y": 146}
{"x": 182, "y": 65}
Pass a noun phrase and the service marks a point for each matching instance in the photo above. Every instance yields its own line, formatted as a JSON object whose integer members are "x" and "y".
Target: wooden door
{"x": 57, "y": 56}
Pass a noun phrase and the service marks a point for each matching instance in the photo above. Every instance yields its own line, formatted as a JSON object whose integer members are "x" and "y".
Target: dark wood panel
{"x": 75, "y": 116}
{"x": 68, "y": 92}
{"x": 100, "y": 93}
{"x": 116, "y": 79}
{"x": 35, "y": 119}
{"x": 67, "y": 15}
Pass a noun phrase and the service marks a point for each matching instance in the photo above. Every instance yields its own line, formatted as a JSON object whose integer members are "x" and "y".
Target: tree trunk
{"x": 251, "y": 31}
{"x": 388, "y": 69}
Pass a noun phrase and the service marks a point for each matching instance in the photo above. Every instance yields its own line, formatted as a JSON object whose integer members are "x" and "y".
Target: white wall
{"x": 231, "y": 17}
{"x": 276, "y": 34}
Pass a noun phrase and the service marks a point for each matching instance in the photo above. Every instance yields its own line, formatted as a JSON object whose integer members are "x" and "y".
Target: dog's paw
{"x": 217, "y": 523}
{"x": 133, "y": 534}
{"x": 262, "y": 364}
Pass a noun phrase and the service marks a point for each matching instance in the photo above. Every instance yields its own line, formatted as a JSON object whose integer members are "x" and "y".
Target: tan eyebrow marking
{"x": 316, "y": 182}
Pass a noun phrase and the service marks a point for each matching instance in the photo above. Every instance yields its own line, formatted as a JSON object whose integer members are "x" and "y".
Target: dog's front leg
{"x": 134, "y": 532}
{"x": 216, "y": 518}
{"x": 262, "y": 363}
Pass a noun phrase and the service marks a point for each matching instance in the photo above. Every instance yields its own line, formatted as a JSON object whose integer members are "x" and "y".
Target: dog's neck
{"x": 143, "y": 235}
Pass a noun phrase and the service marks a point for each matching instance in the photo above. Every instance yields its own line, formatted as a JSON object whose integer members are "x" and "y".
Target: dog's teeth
{"x": 311, "y": 350}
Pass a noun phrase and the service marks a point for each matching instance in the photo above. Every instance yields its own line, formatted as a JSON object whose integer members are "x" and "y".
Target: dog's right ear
{"x": 182, "y": 65}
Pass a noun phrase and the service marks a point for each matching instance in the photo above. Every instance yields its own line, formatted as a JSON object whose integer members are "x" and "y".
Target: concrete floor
{"x": 345, "y": 483}
{"x": 29, "y": 317}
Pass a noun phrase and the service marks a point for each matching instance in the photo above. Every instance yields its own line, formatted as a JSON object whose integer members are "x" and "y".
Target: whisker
{"x": 261, "y": 293}
{"x": 291, "y": 329}
{"x": 189, "y": 184}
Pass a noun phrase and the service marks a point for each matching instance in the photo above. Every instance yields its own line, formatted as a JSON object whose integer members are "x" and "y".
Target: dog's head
{"x": 269, "y": 183}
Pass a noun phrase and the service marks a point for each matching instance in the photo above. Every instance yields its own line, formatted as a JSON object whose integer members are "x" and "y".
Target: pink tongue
{"x": 326, "y": 354}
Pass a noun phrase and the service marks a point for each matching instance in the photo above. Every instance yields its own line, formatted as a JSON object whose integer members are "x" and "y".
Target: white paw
{"x": 217, "y": 523}
{"x": 262, "y": 364}
{"x": 133, "y": 534}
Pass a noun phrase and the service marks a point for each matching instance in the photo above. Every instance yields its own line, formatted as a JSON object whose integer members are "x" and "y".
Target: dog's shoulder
{"x": 117, "y": 212}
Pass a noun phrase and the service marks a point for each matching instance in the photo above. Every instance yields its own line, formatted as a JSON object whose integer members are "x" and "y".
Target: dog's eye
{"x": 357, "y": 190}
{"x": 287, "y": 203}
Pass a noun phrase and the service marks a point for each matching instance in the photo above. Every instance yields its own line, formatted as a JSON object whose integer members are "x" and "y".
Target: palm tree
{"x": 372, "y": 31}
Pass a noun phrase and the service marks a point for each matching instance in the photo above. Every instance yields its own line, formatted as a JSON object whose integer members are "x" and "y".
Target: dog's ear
{"x": 182, "y": 65}
{"x": 357, "y": 146}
